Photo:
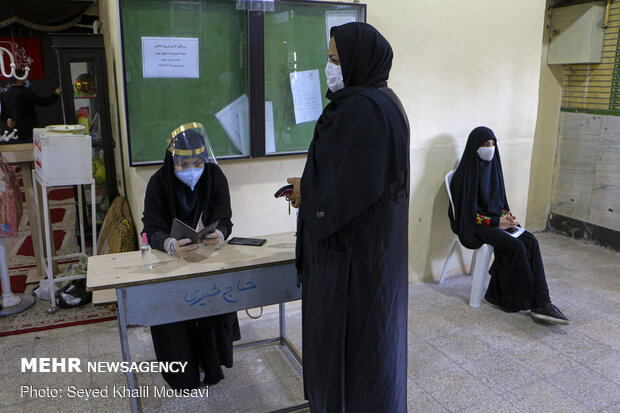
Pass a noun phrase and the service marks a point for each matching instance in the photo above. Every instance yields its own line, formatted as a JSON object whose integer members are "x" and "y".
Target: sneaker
{"x": 549, "y": 313}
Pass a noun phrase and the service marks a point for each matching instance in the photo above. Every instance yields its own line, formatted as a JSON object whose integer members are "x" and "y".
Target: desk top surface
{"x": 17, "y": 152}
{"x": 125, "y": 269}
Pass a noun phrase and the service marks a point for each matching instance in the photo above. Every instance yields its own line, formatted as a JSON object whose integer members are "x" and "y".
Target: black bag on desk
{"x": 73, "y": 294}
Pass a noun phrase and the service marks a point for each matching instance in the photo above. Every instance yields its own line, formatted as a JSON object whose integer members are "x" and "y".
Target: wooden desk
{"x": 233, "y": 278}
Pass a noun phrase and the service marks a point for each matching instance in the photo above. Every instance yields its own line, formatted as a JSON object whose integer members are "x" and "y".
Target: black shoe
{"x": 549, "y": 313}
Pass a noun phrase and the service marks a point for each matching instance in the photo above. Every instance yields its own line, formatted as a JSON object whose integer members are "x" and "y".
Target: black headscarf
{"x": 477, "y": 186}
{"x": 168, "y": 198}
{"x": 360, "y": 148}
{"x": 365, "y": 55}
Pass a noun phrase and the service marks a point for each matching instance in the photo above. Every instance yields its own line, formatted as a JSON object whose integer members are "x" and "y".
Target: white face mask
{"x": 486, "y": 152}
{"x": 333, "y": 72}
{"x": 189, "y": 176}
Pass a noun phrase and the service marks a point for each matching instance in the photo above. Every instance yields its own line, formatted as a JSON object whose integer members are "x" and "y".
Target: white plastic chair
{"x": 480, "y": 260}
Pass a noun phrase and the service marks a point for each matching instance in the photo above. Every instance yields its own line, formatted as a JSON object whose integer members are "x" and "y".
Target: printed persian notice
{"x": 306, "y": 88}
{"x": 170, "y": 57}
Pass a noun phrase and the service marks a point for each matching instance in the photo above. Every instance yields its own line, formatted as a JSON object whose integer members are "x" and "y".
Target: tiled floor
{"x": 460, "y": 359}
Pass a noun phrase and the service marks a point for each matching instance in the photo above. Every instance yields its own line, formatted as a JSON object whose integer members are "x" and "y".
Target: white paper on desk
{"x": 516, "y": 233}
{"x": 337, "y": 18}
{"x": 306, "y": 88}
{"x": 235, "y": 119}
{"x": 270, "y": 136}
{"x": 170, "y": 57}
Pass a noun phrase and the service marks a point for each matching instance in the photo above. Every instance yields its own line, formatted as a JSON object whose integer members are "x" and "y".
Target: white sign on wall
{"x": 170, "y": 57}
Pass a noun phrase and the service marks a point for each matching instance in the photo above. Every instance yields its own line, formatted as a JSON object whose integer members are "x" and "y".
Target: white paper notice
{"x": 270, "y": 136}
{"x": 170, "y": 57}
{"x": 306, "y": 88}
{"x": 338, "y": 18}
{"x": 235, "y": 119}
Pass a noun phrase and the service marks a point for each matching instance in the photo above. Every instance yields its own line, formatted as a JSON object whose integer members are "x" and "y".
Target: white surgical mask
{"x": 333, "y": 72}
{"x": 486, "y": 152}
{"x": 189, "y": 176}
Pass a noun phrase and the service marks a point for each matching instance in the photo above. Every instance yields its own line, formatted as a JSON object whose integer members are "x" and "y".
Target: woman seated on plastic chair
{"x": 483, "y": 217}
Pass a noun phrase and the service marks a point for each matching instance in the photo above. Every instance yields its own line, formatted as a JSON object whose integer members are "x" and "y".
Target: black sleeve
{"x": 30, "y": 97}
{"x": 4, "y": 116}
{"x": 219, "y": 207}
{"x": 156, "y": 217}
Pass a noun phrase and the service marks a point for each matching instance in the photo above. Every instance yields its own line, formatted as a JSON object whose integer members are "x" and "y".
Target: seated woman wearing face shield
{"x": 483, "y": 217}
{"x": 190, "y": 186}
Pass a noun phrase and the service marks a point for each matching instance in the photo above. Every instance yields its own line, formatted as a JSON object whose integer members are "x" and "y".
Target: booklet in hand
{"x": 181, "y": 230}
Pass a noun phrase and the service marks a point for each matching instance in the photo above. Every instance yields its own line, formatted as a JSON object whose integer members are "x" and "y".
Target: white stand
{"x": 11, "y": 303}
{"x": 47, "y": 255}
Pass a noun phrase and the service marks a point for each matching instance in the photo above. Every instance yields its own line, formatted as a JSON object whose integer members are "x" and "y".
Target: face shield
{"x": 190, "y": 146}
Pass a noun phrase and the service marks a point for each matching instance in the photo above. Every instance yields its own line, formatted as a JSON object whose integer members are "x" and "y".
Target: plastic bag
{"x": 11, "y": 206}
{"x": 67, "y": 293}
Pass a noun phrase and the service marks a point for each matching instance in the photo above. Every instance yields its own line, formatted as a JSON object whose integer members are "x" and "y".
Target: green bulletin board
{"x": 157, "y": 106}
{"x": 295, "y": 40}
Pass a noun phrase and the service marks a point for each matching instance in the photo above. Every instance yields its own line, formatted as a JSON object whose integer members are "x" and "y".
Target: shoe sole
{"x": 549, "y": 319}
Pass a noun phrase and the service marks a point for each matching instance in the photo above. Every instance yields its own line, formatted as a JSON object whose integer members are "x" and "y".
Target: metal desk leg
{"x": 282, "y": 309}
{"x": 81, "y": 219}
{"x": 49, "y": 234}
{"x": 122, "y": 329}
{"x": 93, "y": 213}
{"x": 284, "y": 339}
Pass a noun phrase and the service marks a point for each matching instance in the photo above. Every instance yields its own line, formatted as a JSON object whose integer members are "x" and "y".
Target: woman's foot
{"x": 549, "y": 313}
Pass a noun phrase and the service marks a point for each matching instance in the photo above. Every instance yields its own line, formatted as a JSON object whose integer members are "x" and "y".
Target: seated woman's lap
{"x": 501, "y": 240}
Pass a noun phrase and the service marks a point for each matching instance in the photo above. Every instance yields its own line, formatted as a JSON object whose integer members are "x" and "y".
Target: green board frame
{"x": 156, "y": 106}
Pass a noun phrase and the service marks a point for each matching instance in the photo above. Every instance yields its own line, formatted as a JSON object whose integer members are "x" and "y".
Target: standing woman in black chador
{"x": 352, "y": 243}
{"x": 191, "y": 187}
{"x": 483, "y": 217}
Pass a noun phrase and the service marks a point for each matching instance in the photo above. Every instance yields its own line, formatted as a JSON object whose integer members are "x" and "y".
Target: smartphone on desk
{"x": 255, "y": 242}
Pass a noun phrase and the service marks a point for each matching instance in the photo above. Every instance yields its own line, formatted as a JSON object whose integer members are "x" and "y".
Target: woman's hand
{"x": 184, "y": 247}
{"x": 295, "y": 196}
{"x": 513, "y": 219}
{"x": 507, "y": 221}
{"x": 214, "y": 239}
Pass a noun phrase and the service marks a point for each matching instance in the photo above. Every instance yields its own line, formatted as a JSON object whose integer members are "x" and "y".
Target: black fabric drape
{"x": 464, "y": 187}
{"x": 352, "y": 238}
{"x": 43, "y": 15}
{"x": 168, "y": 198}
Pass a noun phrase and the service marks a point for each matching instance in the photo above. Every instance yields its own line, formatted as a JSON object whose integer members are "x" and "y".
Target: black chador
{"x": 517, "y": 274}
{"x": 352, "y": 237}
{"x": 206, "y": 342}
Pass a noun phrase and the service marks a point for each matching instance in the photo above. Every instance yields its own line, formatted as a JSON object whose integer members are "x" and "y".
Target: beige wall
{"x": 545, "y": 142}
{"x": 457, "y": 65}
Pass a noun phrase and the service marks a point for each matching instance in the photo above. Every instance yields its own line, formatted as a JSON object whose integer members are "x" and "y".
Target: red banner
{"x": 26, "y": 52}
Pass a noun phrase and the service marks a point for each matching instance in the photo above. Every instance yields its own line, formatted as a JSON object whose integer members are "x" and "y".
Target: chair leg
{"x": 445, "y": 265}
{"x": 480, "y": 273}
{"x": 472, "y": 265}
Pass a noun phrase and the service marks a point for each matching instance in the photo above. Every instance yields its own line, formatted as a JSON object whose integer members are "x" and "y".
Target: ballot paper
{"x": 270, "y": 137}
{"x": 337, "y": 18}
{"x": 235, "y": 120}
{"x": 306, "y": 88}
